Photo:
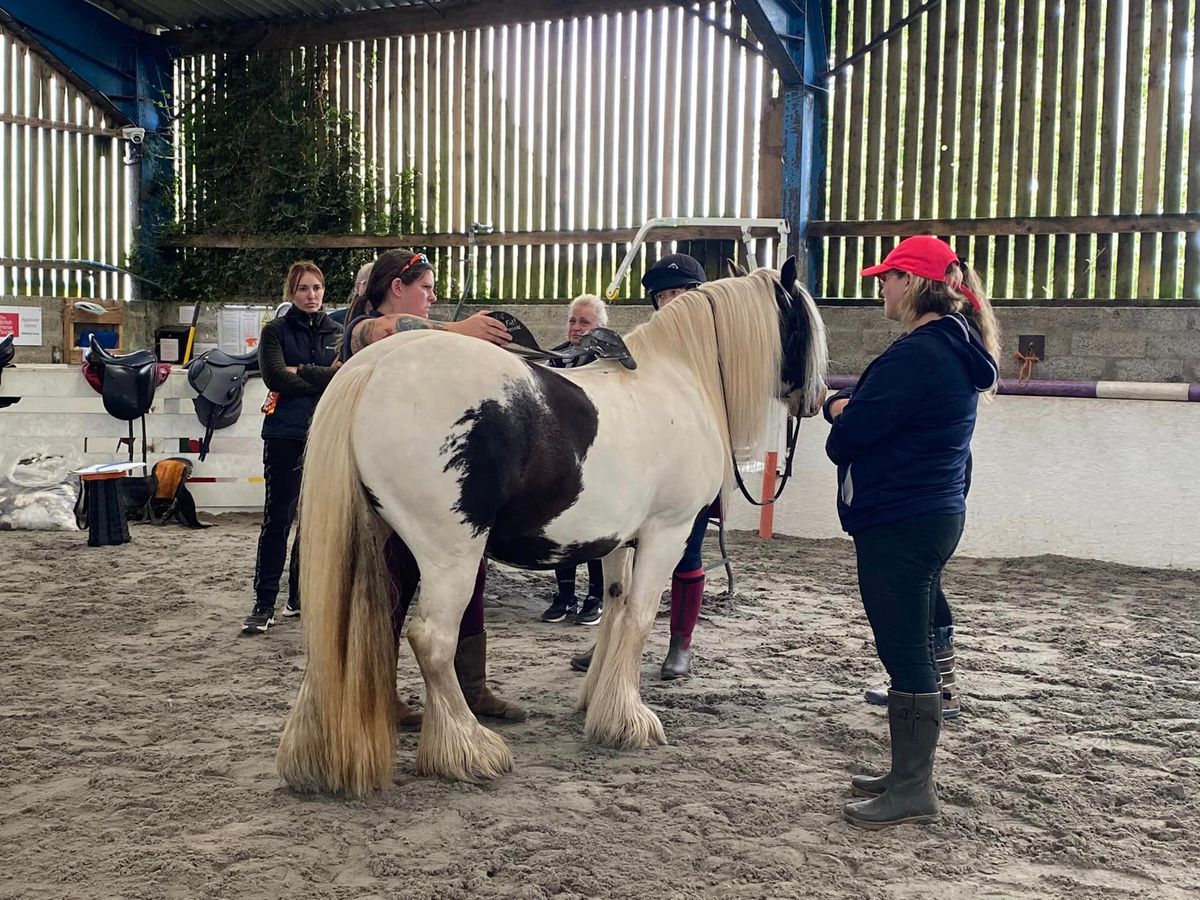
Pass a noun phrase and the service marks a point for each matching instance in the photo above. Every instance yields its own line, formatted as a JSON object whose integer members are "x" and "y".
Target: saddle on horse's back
{"x": 219, "y": 380}
{"x": 602, "y": 343}
{"x": 126, "y": 384}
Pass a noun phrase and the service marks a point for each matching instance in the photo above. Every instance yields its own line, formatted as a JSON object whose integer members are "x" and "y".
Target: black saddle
{"x": 219, "y": 380}
{"x": 127, "y": 382}
{"x": 602, "y": 343}
{"x": 7, "y": 351}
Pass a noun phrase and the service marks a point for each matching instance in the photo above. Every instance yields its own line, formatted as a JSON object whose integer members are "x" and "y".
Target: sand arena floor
{"x": 137, "y": 735}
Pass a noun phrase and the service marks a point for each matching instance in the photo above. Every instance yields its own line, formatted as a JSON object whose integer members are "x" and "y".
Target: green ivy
{"x": 265, "y": 152}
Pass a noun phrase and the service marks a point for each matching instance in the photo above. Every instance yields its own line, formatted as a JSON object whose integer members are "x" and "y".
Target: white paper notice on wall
{"x": 24, "y": 323}
{"x": 238, "y": 327}
{"x": 186, "y": 313}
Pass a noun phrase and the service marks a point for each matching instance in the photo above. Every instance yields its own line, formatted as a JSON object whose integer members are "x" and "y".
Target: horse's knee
{"x": 430, "y": 644}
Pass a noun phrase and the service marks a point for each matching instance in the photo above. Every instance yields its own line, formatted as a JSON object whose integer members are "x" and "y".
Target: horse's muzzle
{"x": 797, "y": 407}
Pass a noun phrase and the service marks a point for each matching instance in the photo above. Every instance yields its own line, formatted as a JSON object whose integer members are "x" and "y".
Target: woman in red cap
{"x": 901, "y": 439}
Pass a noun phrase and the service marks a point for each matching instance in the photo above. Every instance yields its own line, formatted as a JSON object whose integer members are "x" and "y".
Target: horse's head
{"x": 802, "y": 334}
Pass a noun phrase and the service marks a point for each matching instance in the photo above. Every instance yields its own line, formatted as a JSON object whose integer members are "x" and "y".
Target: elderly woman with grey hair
{"x": 587, "y": 312}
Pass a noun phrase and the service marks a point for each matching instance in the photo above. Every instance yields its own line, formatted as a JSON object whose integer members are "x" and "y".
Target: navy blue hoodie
{"x": 903, "y": 443}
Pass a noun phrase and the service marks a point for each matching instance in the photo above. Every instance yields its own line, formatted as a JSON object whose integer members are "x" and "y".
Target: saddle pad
{"x": 169, "y": 474}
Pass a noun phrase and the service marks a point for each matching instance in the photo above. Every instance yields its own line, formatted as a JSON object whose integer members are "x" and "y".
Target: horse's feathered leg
{"x": 616, "y": 716}
{"x": 453, "y": 744}
{"x": 617, "y": 581}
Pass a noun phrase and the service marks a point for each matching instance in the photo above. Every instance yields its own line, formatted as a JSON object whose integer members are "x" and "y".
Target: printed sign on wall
{"x": 238, "y": 327}
{"x": 25, "y": 322}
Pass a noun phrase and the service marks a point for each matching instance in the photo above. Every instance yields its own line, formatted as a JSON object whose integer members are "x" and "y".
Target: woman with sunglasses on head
{"x": 667, "y": 279}
{"x": 399, "y": 294}
{"x": 901, "y": 439}
{"x": 297, "y": 354}
{"x": 398, "y": 297}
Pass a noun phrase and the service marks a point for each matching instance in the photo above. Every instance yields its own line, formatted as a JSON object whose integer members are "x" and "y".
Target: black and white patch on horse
{"x": 519, "y": 462}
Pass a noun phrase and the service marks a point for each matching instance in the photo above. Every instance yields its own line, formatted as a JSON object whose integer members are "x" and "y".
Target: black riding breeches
{"x": 899, "y": 576}
{"x": 282, "y": 467}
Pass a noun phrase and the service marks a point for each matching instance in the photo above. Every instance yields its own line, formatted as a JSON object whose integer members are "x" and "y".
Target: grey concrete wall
{"x": 1082, "y": 343}
{"x": 140, "y": 321}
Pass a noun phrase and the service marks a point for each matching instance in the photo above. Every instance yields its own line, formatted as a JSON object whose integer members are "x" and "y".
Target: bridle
{"x": 793, "y": 428}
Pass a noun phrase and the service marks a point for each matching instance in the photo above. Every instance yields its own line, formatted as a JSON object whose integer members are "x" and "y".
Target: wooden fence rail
{"x": 1061, "y": 137}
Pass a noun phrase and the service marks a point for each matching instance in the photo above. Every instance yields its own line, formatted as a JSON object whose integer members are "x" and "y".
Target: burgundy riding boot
{"x": 687, "y": 594}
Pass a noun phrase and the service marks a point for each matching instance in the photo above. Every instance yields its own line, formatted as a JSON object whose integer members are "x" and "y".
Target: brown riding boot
{"x": 470, "y": 664}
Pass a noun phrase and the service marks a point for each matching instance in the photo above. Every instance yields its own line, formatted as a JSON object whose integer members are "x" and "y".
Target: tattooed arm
{"x": 480, "y": 326}
{"x": 371, "y": 330}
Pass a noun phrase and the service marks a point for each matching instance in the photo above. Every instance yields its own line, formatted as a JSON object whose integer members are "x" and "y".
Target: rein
{"x": 793, "y": 428}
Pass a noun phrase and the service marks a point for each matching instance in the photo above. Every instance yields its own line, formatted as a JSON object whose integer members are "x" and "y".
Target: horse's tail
{"x": 339, "y": 736}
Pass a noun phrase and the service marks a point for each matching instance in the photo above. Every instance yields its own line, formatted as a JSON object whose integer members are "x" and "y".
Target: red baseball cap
{"x": 921, "y": 255}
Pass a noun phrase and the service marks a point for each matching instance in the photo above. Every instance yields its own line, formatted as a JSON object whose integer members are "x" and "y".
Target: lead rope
{"x": 793, "y": 428}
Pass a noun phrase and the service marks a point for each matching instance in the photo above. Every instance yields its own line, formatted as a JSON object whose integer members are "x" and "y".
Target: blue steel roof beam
{"x": 121, "y": 69}
{"x": 775, "y": 23}
{"x": 792, "y": 33}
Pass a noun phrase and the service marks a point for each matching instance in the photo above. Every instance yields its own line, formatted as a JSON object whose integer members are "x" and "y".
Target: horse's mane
{"x": 747, "y": 320}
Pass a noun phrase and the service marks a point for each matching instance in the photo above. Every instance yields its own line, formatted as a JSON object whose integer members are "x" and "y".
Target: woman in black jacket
{"x": 296, "y": 355}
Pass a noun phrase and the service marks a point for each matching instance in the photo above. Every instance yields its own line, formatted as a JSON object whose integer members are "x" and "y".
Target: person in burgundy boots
{"x": 664, "y": 281}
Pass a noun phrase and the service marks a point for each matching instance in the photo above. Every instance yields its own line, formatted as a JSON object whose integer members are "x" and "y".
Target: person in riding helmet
{"x": 671, "y": 276}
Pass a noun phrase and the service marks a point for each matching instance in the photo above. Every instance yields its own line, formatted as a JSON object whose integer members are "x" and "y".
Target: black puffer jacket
{"x": 306, "y": 341}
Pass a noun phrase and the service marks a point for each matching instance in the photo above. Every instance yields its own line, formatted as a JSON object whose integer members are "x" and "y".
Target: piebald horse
{"x": 463, "y": 449}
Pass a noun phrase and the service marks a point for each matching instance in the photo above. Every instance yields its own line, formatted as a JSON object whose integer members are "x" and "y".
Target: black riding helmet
{"x": 677, "y": 270}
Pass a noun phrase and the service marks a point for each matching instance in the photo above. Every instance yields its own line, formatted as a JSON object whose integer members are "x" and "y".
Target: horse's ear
{"x": 735, "y": 271}
{"x": 787, "y": 275}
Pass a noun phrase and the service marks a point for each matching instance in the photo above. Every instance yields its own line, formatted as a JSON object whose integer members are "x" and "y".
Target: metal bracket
{"x": 662, "y": 223}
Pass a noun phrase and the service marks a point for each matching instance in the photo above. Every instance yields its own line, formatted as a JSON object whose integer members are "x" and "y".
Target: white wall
{"x": 59, "y": 409}
{"x": 1115, "y": 480}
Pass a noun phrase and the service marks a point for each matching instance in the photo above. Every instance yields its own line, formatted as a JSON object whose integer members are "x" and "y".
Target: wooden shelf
{"x": 75, "y": 322}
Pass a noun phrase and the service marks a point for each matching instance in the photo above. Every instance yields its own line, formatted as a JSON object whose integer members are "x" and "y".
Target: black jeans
{"x": 282, "y": 466}
{"x": 565, "y": 576}
{"x": 899, "y": 576}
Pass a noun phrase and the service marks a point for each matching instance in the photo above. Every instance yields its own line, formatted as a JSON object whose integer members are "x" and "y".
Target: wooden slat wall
{"x": 994, "y": 108}
{"x": 64, "y": 187}
{"x": 597, "y": 122}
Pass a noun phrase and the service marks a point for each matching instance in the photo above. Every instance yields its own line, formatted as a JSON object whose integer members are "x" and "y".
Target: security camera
{"x": 134, "y": 135}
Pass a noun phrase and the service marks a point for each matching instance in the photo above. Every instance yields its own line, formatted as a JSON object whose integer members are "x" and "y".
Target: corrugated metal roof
{"x": 174, "y": 14}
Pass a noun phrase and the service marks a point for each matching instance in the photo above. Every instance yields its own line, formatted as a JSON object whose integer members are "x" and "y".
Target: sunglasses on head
{"x": 418, "y": 259}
